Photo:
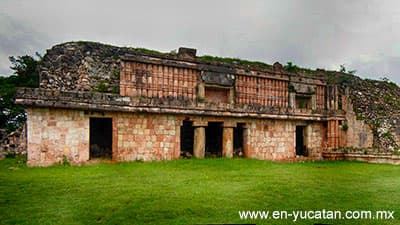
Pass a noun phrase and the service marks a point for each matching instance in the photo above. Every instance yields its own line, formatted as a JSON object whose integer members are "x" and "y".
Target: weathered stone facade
{"x": 169, "y": 105}
{"x": 358, "y": 132}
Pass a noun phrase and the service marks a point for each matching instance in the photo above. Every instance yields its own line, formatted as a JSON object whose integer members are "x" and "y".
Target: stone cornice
{"x": 112, "y": 102}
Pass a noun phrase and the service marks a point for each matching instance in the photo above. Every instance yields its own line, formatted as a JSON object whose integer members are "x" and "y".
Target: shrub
{"x": 10, "y": 155}
{"x": 345, "y": 127}
{"x": 65, "y": 161}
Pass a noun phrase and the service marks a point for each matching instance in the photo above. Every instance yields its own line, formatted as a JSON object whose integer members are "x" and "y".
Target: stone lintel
{"x": 229, "y": 124}
{"x": 197, "y": 123}
{"x": 245, "y": 126}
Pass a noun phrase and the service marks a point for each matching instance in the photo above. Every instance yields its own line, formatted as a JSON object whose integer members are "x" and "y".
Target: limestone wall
{"x": 271, "y": 140}
{"x": 359, "y": 134}
{"x": 147, "y": 137}
{"x": 55, "y": 133}
{"x": 316, "y": 139}
{"x": 276, "y": 139}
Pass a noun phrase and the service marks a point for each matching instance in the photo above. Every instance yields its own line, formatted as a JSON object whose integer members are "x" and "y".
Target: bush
{"x": 10, "y": 155}
{"x": 345, "y": 127}
{"x": 65, "y": 161}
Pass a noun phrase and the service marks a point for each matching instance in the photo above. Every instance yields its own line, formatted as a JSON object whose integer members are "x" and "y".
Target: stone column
{"x": 199, "y": 142}
{"x": 336, "y": 98}
{"x": 227, "y": 139}
{"x": 231, "y": 97}
{"x": 308, "y": 140}
{"x": 201, "y": 91}
{"x": 314, "y": 102}
{"x": 333, "y": 132}
{"x": 292, "y": 100}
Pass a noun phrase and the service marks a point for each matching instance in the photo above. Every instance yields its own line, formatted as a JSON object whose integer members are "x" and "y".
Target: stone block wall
{"x": 217, "y": 95}
{"x": 272, "y": 140}
{"x": 56, "y": 133}
{"x": 147, "y": 137}
{"x": 316, "y": 139}
{"x": 276, "y": 139}
{"x": 359, "y": 134}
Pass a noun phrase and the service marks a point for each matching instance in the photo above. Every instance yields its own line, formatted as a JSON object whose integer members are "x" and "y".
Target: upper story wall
{"x": 146, "y": 80}
{"x": 262, "y": 90}
{"x": 197, "y": 83}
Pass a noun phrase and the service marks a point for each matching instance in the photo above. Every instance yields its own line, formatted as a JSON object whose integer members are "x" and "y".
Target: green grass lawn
{"x": 209, "y": 191}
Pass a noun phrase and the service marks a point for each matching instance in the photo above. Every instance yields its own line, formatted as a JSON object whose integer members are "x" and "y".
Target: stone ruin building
{"x": 127, "y": 104}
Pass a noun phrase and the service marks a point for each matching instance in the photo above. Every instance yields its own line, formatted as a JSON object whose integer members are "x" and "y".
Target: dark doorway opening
{"x": 214, "y": 139}
{"x": 238, "y": 140}
{"x": 187, "y": 136}
{"x": 301, "y": 149}
{"x": 100, "y": 138}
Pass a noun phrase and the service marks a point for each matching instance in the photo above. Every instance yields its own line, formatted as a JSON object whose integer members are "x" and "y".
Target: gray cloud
{"x": 317, "y": 34}
{"x": 16, "y": 39}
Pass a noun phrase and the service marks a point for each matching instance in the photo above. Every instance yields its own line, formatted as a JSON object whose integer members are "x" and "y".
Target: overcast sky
{"x": 363, "y": 35}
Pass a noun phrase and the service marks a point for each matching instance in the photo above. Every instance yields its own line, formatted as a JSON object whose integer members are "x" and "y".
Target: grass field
{"x": 209, "y": 191}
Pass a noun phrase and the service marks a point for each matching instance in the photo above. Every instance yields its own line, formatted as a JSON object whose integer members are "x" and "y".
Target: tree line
{"x": 25, "y": 74}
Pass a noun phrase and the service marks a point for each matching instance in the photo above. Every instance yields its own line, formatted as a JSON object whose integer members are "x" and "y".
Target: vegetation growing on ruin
{"x": 234, "y": 61}
{"x": 101, "y": 87}
{"x": 116, "y": 75}
{"x": 209, "y": 191}
{"x": 116, "y": 52}
{"x": 291, "y": 67}
{"x": 148, "y": 51}
{"x": 345, "y": 127}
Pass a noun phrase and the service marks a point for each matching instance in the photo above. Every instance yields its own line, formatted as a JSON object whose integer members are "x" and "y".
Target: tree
{"x": 12, "y": 116}
{"x": 290, "y": 67}
{"x": 25, "y": 68}
{"x": 344, "y": 70}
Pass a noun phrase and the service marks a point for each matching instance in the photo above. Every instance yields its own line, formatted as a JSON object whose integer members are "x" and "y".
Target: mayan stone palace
{"x": 128, "y": 104}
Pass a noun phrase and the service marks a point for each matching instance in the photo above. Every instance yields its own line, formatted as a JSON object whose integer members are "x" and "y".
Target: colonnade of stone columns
{"x": 199, "y": 142}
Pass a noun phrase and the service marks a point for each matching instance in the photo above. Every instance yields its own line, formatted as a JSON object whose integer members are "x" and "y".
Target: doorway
{"x": 187, "y": 137}
{"x": 100, "y": 138}
{"x": 214, "y": 139}
{"x": 238, "y": 140}
{"x": 301, "y": 149}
